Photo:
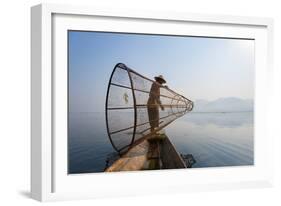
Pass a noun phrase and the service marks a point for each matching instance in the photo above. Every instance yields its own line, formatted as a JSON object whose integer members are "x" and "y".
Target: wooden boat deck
{"x": 151, "y": 153}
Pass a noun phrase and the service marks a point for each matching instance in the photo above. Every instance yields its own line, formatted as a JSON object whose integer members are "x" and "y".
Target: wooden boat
{"x": 156, "y": 152}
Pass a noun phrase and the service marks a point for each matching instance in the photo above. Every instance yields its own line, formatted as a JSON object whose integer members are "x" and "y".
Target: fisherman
{"x": 154, "y": 102}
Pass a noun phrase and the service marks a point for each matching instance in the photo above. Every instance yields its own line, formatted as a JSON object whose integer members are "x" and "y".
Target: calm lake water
{"x": 214, "y": 139}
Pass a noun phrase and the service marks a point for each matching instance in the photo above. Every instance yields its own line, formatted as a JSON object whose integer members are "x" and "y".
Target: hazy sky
{"x": 198, "y": 68}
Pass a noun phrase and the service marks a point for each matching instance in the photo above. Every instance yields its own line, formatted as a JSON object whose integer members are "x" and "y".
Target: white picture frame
{"x": 49, "y": 180}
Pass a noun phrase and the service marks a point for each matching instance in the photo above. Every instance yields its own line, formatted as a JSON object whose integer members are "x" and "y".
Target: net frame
{"x": 178, "y": 106}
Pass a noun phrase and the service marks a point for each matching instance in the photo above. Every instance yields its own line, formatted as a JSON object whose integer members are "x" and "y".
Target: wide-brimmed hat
{"x": 160, "y": 77}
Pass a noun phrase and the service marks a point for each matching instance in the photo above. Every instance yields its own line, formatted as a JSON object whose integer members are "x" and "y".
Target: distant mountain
{"x": 228, "y": 104}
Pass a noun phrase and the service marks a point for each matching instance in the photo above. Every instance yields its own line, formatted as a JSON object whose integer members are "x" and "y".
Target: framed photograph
{"x": 138, "y": 102}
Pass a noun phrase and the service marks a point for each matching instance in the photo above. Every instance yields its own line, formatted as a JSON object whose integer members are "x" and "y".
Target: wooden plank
{"x": 134, "y": 159}
{"x": 170, "y": 157}
{"x": 152, "y": 153}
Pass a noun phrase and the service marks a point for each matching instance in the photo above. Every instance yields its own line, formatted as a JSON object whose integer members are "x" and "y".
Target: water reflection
{"x": 88, "y": 143}
{"x": 222, "y": 119}
{"x": 215, "y": 139}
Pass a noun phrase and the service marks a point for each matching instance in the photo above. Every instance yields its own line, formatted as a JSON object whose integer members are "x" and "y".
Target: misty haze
{"x": 173, "y": 102}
